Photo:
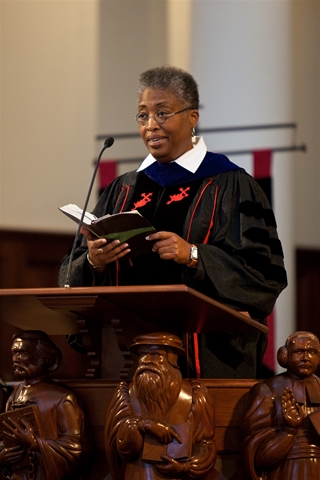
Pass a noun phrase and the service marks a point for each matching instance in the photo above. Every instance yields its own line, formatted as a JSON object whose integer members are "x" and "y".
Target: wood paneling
{"x": 308, "y": 290}
{"x": 31, "y": 259}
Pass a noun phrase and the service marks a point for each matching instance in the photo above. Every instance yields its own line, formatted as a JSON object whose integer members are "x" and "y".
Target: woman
{"x": 215, "y": 229}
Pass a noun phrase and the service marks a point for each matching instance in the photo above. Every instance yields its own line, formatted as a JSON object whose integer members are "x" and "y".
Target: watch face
{"x": 194, "y": 253}
{"x": 193, "y": 257}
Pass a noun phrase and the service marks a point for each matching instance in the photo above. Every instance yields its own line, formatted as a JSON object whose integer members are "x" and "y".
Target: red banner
{"x": 107, "y": 172}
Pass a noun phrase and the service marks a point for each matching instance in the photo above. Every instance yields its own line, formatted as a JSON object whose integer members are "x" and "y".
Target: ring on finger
{"x": 100, "y": 250}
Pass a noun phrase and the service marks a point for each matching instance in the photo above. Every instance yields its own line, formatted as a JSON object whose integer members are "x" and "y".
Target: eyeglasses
{"x": 160, "y": 116}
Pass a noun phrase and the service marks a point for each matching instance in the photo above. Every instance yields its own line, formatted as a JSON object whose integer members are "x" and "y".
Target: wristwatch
{"x": 193, "y": 257}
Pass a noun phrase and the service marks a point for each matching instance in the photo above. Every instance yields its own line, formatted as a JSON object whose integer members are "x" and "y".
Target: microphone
{"x": 107, "y": 143}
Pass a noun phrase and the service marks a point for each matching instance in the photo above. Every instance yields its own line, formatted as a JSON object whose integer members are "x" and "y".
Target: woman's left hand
{"x": 170, "y": 246}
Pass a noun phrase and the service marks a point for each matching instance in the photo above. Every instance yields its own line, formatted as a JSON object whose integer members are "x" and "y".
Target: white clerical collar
{"x": 190, "y": 160}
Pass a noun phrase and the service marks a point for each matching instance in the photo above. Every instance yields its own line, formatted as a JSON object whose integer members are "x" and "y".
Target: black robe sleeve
{"x": 241, "y": 265}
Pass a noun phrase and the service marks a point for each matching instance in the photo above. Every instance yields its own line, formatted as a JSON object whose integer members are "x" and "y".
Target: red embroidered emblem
{"x": 146, "y": 198}
{"x": 179, "y": 196}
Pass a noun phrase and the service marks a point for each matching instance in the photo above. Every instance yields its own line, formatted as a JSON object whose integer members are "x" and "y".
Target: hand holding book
{"x": 130, "y": 227}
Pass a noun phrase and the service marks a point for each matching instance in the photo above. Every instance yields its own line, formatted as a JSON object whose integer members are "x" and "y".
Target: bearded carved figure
{"x": 44, "y": 434}
{"x": 281, "y": 422}
{"x": 160, "y": 426}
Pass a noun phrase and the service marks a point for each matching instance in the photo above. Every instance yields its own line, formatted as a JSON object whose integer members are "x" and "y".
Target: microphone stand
{"x": 108, "y": 143}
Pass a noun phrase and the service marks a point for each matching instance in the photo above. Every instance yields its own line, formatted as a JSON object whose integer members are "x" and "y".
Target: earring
{"x": 193, "y": 132}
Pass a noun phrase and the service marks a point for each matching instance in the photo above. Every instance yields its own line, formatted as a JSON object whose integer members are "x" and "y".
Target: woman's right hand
{"x": 102, "y": 252}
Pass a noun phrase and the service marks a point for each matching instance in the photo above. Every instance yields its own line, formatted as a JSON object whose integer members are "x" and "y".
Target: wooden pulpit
{"x": 107, "y": 319}
{"x": 92, "y": 311}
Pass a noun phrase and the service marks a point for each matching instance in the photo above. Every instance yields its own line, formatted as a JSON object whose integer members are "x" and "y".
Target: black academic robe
{"x": 240, "y": 260}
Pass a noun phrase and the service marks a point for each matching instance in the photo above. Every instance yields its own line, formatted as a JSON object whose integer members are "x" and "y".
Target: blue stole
{"x": 170, "y": 174}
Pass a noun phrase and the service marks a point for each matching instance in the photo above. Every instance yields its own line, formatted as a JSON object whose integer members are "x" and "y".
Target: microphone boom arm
{"x": 108, "y": 143}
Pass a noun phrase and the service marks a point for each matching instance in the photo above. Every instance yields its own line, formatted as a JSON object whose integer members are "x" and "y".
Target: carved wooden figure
{"x": 5, "y": 391}
{"x": 160, "y": 426}
{"x": 281, "y": 422}
{"x": 43, "y": 429}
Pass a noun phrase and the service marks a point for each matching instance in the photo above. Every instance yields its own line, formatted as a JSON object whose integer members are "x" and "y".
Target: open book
{"x": 130, "y": 227}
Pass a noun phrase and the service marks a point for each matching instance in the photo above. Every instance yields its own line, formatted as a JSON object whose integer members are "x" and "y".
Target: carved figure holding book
{"x": 160, "y": 426}
{"x": 43, "y": 428}
{"x": 282, "y": 417}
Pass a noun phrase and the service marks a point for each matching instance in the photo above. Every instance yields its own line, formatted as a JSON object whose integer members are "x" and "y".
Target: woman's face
{"x": 169, "y": 140}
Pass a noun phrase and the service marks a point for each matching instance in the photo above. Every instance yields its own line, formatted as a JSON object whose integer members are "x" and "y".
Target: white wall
{"x": 69, "y": 72}
{"x": 306, "y": 110}
{"x": 48, "y": 109}
{"x": 132, "y": 38}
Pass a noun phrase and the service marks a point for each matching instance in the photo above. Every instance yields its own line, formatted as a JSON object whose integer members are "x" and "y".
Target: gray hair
{"x": 177, "y": 81}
